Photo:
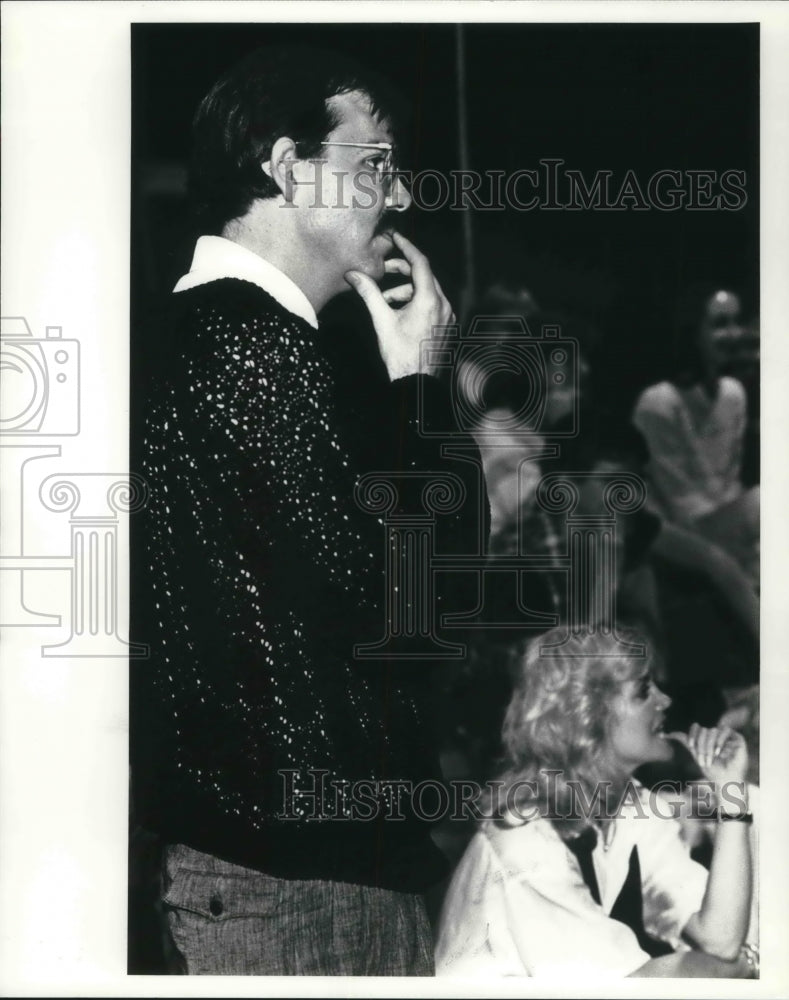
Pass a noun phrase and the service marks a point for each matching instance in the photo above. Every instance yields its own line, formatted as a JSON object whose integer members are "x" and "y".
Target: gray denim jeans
{"x": 229, "y": 920}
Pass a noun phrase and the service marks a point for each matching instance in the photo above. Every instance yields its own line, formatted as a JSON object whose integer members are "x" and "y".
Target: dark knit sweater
{"x": 255, "y": 573}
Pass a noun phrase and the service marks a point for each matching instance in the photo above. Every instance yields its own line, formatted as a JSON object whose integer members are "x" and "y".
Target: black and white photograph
{"x": 382, "y": 547}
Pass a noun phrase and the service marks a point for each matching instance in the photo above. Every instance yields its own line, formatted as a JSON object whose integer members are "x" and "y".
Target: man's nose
{"x": 399, "y": 198}
{"x": 664, "y": 701}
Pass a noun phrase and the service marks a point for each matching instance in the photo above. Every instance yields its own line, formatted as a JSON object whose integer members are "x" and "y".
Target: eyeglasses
{"x": 383, "y": 166}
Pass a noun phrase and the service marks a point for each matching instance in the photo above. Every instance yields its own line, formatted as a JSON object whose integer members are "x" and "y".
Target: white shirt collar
{"x": 215, "y": 257}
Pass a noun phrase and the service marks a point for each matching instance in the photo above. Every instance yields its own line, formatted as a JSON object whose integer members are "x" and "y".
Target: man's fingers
{"x": 443, "y": 300}
{"x": 402, "y": 293}
{"x": 439, "y": 289}
{"x": 423, "y": 279}
{"x": 420, "y": 266}
{"x": 396, "y": 265}
{"x": 369, "y": 292}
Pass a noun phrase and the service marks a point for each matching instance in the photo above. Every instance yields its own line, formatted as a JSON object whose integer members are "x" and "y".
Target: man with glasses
{"x": 262, "y": 571}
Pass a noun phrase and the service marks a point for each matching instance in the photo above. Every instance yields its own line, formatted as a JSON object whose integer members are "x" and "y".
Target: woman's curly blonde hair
{"x": 557, "y": 724}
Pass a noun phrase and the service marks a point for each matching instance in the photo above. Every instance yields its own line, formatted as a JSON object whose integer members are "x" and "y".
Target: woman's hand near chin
{"x": 720, "y": 752}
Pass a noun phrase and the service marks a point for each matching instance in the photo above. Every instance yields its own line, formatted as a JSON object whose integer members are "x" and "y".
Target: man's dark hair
{"x": 273, "y": 92}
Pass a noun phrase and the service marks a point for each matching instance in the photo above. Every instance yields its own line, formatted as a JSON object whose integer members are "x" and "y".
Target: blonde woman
{"x": 577, "y": 868}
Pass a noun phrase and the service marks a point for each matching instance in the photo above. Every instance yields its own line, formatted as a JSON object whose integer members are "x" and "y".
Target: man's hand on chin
{"x": 404, "y": 316}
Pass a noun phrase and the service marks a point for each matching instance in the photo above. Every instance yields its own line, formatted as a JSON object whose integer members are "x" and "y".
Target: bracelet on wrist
{"x": 734, "y": 817}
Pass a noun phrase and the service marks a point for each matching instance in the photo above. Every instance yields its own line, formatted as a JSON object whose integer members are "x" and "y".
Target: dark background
{"x": 611, "y": 96}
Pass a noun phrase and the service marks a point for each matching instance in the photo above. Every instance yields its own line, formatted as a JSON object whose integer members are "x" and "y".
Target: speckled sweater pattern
{"x": 257, "y": 574}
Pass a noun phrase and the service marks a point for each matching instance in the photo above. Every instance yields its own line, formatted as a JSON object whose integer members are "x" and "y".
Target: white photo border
{"x": 64, "y": 722}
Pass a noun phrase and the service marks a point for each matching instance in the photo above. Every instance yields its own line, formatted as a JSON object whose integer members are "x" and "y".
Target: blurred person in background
{"x": 695, "y": 424}
{"x": 499, "y": 388}
{"x": 690, "y": 597}
{"x": 743, "y": 363}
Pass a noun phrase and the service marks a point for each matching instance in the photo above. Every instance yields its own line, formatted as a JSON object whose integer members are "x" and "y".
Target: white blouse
{"x": 518, "y": 905}
{"x": 695, "y": 446}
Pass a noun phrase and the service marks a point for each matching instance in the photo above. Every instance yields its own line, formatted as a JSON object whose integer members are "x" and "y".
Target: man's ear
{"x": 280, "y": 167}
